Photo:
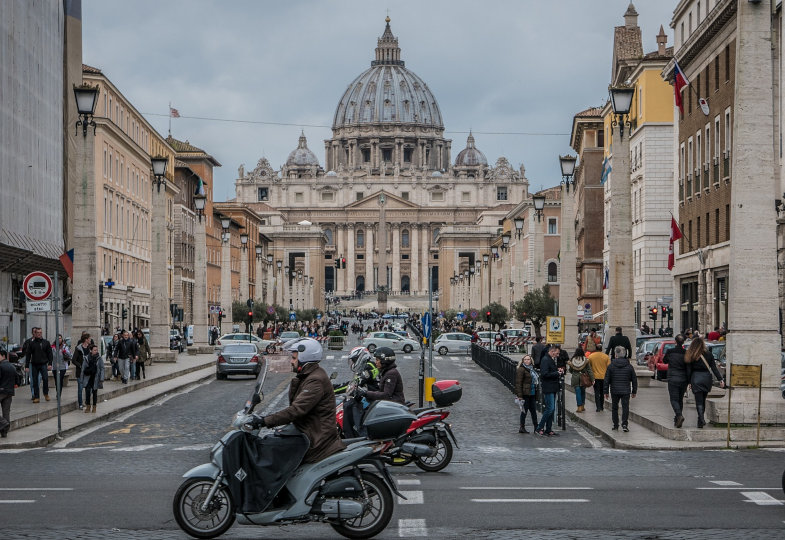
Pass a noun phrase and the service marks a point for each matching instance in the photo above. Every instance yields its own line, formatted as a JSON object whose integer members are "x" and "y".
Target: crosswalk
{"x": 756, "y": 495}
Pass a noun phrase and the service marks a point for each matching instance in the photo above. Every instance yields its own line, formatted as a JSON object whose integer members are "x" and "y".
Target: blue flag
{"x": 606, "y": 170}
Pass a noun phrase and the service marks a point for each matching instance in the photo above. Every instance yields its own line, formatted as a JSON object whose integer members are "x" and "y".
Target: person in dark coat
{"x": 699, "y": 361}
{"x": 526, "y": 380}
{"x": 390, "y": 381}
{"x": 678, "y": 378}
{"x": 618, "y": 340}
{"x": 311, "y": 401}
{"x": 81, "y": 352}
{"x": 549, "y": 377}
{"x": 92, "y": 377}
{"x": 537, "y": 350}
{"x": 38, "y": 354}
{"x": 7, "y": 384}
{"x": 618, "y": 378}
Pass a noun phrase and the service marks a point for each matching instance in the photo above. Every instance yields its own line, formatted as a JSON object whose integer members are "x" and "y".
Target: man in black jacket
{"x": 537, "y": 351}
{"x": 549, "y": 379}
{"x": 618, "y": 377}
{"x": 678, "y": 378}
{"x": 38, "y": 354}
{"x": 619, "y": 340}
{"x": 125, "y": 352}
{"x": 7, "y": 382}
{"x": 390, "y": 381}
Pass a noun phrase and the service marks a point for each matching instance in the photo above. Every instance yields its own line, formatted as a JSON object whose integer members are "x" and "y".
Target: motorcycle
{"x": 428, "y": 440}
{"x": 351, "y": 490}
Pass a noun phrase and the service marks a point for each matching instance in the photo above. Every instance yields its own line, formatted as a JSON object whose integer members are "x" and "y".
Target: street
{"x": 117, "y": 480}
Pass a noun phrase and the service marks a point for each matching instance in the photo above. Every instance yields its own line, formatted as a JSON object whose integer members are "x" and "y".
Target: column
{"x": 200, "y": 318}
{"x": 259, "y": 280}
{"x": 369, "y": 281}
{"x": 396, "y": 257}
{"x": 753, "y": 317}
{"x": 86, "y": 312}
{"x": 245, "y": 290}
{"x": 425, "y": 237}
{"x": 272, "y": 275}
{"x": 159, "y": 283}
{"x": 568, "y": 284}
{"x": 340, "y": 283}
{"x": 414, "y": 240}
{"x": 350, "y": 258}
{"x": 226, "y": 284}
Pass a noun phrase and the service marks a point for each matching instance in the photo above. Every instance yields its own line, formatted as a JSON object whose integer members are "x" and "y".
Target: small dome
{"x": 331, "y": 173}
{"x": 436, "y": 174}
{"x": 302, "y": 156}
{"x": 470, "y": 156}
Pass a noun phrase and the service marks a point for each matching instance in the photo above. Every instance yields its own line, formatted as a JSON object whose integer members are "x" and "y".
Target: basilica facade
{"x": 390, "y": 204}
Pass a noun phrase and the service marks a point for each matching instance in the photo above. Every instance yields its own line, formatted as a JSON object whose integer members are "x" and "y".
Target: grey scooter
{"x": 352, "y": 490}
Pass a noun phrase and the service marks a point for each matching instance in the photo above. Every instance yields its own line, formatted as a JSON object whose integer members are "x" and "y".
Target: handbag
{"x": 708, "y": 368}
{"x": 586, "y": 381}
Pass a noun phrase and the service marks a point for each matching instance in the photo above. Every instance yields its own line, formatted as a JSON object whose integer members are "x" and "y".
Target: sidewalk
{"x": 35, "y": 424}
{"x": 651, "y": 422}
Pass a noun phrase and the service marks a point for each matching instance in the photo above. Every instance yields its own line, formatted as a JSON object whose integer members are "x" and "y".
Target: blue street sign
{"x": 426, "y": 325}
{"x": 459, "y": 315}
{"x": 292, "y": 317}
{"x": 318, "y": 316}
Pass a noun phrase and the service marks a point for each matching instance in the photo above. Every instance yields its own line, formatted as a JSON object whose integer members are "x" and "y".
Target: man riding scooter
{"x": 363, "y": 365}
{"x": 390, "y": 381}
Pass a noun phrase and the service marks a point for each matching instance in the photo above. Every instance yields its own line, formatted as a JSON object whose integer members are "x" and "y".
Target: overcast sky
{"x": 513, "y": 71}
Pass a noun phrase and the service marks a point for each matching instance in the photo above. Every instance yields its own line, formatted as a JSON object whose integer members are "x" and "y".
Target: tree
{"x": 535, "y": 306}
{"x": 499, "y": 314}
{"x": 450, "y": 314}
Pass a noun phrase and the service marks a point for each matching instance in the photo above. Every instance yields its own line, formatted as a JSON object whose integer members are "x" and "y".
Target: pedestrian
{"x": 537, "y": 351}
{"x": 61, "y": 356}
{"x": 38, "y": 355}
{"x": 111, "y": 346}
{"x": 132, "y": 360}
{"x": 81, "y": 352}
{"x": 92, "y": 378}
{"x": 593, "y": 342}
{"x": 678, "y": 378}
{"x": 526, "y": 380}
{"x": 582, "y": 377}
{"x": 618, "y": 378}
{"x": 549, "y": 380}
{"x": 599, "y": 362}
{"x": 7, "y": 383}
{"x": 125, "y": 353}
{"x": 618, "y": 340}
{"x": 701, "y": 365}
{"x": 144, "y": 354}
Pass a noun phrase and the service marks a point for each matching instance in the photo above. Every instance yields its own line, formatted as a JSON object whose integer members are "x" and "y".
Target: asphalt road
{"x": 117, "y": 480}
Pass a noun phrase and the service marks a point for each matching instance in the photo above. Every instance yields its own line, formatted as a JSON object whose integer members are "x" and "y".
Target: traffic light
{"x": 653, "y": 313}
{"x": 220, "y": 314}
{"x": 338, "y": 264}
{"x": 343, "y": 262}
{"x": 665, "y": 312}
{"x": 488, "y": 316}
{"x": 125, "y": 313}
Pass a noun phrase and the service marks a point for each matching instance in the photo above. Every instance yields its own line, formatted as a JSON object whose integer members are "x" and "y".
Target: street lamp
{"x": 567, "y": 170}
{"x": 86, "y": 99}
{"x": 199, "y": 202}
{"x": 159, "y": 170}
{"x": 621, "y": 101}
{"x": 269, "y": 260}
{"x": 258, "y": 250}
{"x": 225, "y": 223}
{"x": 539, "y": 205}
{"x": 518, "y": 226}
{"x": 244, "y": 240}
{"x": 495, "y": 251}
{"x": 506, "y": 241}
{"x": 485, "y": 258}
{"x": 278, "y": 264}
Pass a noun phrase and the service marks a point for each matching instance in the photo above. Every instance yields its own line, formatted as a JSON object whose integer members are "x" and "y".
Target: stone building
{"x": 388, "y": 189}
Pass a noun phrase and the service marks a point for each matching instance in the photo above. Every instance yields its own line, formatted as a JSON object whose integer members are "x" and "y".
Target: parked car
{"x": 655, "y": 363}
{"x": 389, "y": 339}
{"x": 175, "y": 340}
{"x": 405, "y": 334}
{"x": 644, "y": 350}
{"x": 643, "y": 338}
{"x": 486, "y": 336}
{"x": 453, "y": 342}
{"x": 265, "y": 345}
{"x": 238, "y": 358}
{"x": 515, "y": 333}
{"x": 288, "y": 336}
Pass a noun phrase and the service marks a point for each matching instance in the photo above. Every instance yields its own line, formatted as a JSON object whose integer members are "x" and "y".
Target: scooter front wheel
{"x": 378, "y": 510}
{"x": 440, "y": 459}
{"x": 210, "y": 522}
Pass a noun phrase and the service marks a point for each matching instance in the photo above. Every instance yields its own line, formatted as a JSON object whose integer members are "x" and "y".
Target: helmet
{"x": 385, "y": 355}
{"x": 308, "y": 349}
{"x": 358, "y": 357}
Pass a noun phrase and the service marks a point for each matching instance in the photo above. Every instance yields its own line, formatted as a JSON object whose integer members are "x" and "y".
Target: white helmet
{"x": 308, "y": 349}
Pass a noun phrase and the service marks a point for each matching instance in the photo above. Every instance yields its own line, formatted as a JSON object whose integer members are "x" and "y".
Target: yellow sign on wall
{"x": 555, "y": 330}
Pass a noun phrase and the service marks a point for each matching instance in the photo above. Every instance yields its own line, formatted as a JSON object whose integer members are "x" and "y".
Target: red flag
{"x": 675, "y": 235}
{"x": 67, "y": 260}
{"x": 679, "y": 82}
{"x": 174, "y": 113}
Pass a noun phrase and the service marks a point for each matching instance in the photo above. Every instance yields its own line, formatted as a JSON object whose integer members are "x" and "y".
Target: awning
{"x": 600, "y": 314}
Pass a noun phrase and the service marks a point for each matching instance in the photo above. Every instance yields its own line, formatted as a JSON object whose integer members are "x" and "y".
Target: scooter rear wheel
{"x": 213, "y": 522}
{"x": 378, "y": 511}
{"x": 438, "y": 461}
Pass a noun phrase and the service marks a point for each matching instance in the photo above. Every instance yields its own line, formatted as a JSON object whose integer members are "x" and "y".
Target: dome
{"x": 470, "y": 156}
{"x": 387, "y": 92}
{"x": 302, "y": 156}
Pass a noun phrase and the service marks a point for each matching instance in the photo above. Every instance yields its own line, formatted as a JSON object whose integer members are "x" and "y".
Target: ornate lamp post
{"x": 518, "y": 226}
{"x": 568, "y": 283}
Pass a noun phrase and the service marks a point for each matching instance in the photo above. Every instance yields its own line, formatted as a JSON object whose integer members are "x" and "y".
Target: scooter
{"x": 351, "y": 490}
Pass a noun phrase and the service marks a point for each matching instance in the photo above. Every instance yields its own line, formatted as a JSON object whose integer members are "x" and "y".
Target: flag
{"x": 606, "y": 170}
{"x": 675, "y": 235}
{"x": 605, "y": 279}
{"x": 67, "y": 260}
{"x": 558, "y": 256}
{"x": 174, "y": 113}
{"x": 679, "y": 82}
{"x": 200, "y": 189}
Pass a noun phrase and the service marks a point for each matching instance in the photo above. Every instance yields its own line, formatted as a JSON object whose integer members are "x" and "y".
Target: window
{"x": 299, "y": 197}
{"x": 360, "y": 239}
{"x": 405, "y": 257}
{"x": 466, "y": 196}
{"x": 717, "y": 137}
{"x": 366, "y": 155}
{"x": 437, "y": 196}
{"x": 328, "y": 233}
{"x": 708, "y": 229}
{"x": 263, "y": 194}
{"x": 706, "y": 78}
{"x": 553, "y": 226}
{"x": 387, "y": 155}
{"x": 435, "y": 234}
{"x": 405, "y": 238}
{"x": 728, "y": 128}
{"x": 717, "y": 72}
{"x": 727, "y": 222}
{"x": 360, "y": 195}
{"x": 681, "y": 162}
{"x": 328, "y": 196}
{"x": 601, "y": 139}
{"x": 697, "y": 232}
{"x": 360, "y": 256}
{"x": 716, "y": 225}
{"x": 501, "y": 193}
{"x": 640, "y": 102}
{"x": 405, "y": 195}
{"x": 407, "y": 155}
{"x": 707, "y": 144}
{"x": 727, "y": 63}
{"x": 698, "y": 16}
{"x": 552, "y": 272}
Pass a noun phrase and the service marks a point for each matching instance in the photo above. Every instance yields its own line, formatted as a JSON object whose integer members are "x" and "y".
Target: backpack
{"x": 91, "y": 366}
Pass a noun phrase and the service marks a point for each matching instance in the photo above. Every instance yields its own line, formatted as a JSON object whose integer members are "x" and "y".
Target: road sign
{"x": 292, "y": 317}
{"x": 426, "y": 324}
{"x": 459, "y": 315}
{"x": 580, "y": 312}
{"x": 249, "y": 303}
{"x": 37, "y": 286}
{"x": 473, "y": 314}
{"x": 318, "y": 316}
{"x": 555, "y": 332}
{"x": 587, "y": 307}
{"x": 270, "y": 310}
{"x": 39, "y": 306}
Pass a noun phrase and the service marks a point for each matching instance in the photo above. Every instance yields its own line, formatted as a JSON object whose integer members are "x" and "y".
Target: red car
{"x": 654, "y": 361}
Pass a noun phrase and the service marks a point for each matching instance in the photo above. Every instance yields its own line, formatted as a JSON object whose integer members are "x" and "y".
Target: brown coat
{"x": 523, "y": 382}
{"x": 312, "y": 410}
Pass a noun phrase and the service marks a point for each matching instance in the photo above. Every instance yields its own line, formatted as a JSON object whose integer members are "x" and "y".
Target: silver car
{"x": 453, "y": 342}
{"x": 391, "y": 340}
{"x": 238, "y": 359}
{"x": 264, "y": 345}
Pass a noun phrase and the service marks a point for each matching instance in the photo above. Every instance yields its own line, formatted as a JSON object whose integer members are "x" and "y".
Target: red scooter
{"x": 429, "y": 440}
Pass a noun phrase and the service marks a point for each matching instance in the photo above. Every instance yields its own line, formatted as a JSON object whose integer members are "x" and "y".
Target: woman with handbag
{"x": 701, "y": 363}
{"x": 526, "y": 380}
{"x": 582, "y": 377}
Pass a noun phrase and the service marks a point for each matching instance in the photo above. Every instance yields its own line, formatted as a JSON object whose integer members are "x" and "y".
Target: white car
{"x": 391, "y": 340}
{"x": 288, "y": 336}
{"x": 453, "y": 342}
{"x": 263, "y": 345}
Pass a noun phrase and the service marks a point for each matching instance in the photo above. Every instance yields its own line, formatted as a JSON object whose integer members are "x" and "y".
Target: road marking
{"x": 412, "y": 497}
{"x": 139, "y": 448}
{"x": 70, "y": 450}
{"x": 530, "y": 500}
{"x": 541, "y": 488}
{"x": 454, "y": 358}
{"x": 411, "y": 527}
{"x": 554, "y": 450}
{"x": 204, "y": 446}
{"x": 35, "y": 489}
{"x": 774, "y": 449}
{"x": 733, "y": 488}
{"x": 15, "y": 450}
{"x": 17, "y": 501}
{"x": 760, "y": 498}
{"x": 592, "y": 440}
{"x": 330, "y": 357}
{"x": 725, "y": 482}
{"x": 435, "y": 368}
{"x": 408, "y": 482}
